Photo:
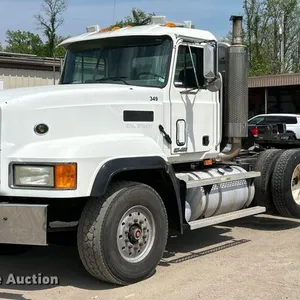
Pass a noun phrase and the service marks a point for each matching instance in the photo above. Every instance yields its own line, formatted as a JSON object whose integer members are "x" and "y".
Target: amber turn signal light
{"x": 66, "y": 176}
{"x": 208, "y": 162}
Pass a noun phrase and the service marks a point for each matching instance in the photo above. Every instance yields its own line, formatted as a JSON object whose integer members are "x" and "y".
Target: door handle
{"x": 166, "y": 136}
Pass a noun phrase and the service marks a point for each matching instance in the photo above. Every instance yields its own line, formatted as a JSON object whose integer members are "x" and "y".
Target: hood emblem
{"x": 41, "y": 129}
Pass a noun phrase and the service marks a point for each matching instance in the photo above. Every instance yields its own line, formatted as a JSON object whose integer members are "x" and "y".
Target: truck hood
{"x": 77, "y": 111}
{"x": 18, "y": 95}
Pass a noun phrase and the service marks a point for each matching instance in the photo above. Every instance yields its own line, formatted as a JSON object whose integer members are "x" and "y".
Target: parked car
{"x": 291, "y": 121}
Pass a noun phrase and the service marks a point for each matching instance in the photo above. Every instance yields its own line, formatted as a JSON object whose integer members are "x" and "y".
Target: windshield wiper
{"x": 113, "y": 79}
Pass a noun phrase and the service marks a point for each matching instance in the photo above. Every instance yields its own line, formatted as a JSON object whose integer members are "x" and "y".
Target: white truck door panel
{"x": 193, "y": 115}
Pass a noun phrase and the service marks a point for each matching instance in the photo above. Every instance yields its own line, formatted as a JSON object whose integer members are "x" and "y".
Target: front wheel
{"x": 122, "y": 236}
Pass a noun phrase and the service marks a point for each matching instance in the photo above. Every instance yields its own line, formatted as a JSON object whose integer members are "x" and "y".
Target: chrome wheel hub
{"x": 136, "y": 232}
{"x": 295, "y": 184}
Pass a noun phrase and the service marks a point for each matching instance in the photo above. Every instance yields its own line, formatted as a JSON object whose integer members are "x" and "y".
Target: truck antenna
{"x": 114, "y": 11}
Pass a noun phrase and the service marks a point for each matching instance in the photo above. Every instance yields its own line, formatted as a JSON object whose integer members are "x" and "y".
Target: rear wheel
{"x": 122, "y": 236}
{"x": 286, "y": 184}
{"x": 293, "y": 138}
{"x": 265, "y": 165}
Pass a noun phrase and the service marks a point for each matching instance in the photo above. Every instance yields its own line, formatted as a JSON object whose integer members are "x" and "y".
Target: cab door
{"x": 193, "y": 110}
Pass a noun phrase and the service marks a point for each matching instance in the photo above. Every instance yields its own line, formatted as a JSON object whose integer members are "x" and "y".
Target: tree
{"x": 1, "y": 48}
{"x": 49, "y": 20}
{"x": 59, "y": 51}
{"x": 24, "y": 42}
{"x": 138, "y": 17}
{"x": 271, "y": 33}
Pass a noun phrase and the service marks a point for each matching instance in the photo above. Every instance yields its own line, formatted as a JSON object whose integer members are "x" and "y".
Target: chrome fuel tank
{"x": 204, "y": 202}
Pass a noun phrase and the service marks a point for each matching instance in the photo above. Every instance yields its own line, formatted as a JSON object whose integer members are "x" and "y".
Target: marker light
{"x": 116, "y": 28}
{"x": 104, "y": 29}
{"x": 170, "y": 25}
{"x": 65, "y": 176}
{"x": 92, "y": 28}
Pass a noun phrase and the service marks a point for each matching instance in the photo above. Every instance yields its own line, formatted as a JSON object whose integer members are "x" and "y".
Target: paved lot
{"x": 253, "y": 258}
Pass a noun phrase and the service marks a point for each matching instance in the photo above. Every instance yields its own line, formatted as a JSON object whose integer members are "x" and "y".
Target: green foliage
{"x": 138, "y": 17}
{"x": 49, "y": 20}
{"x": 59, "y": 51}
{"x": 24, "y": 42}
{"x": 271, "y": 52}
{"x": 29, "y": 43}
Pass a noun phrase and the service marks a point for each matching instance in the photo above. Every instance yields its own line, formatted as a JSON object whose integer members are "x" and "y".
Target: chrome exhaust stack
{"x": 236, "y": 91}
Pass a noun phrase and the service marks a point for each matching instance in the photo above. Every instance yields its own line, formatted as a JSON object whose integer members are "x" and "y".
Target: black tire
{"x": 11, "y": 250}
{"x": 281, "y": 183}
{"x": 292, "y": 135}
{"x": 97, "y": 236}
{"x": 265, "y": 164}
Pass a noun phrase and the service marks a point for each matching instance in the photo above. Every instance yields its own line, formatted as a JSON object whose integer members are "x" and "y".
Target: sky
{"x": 212, "y": 15}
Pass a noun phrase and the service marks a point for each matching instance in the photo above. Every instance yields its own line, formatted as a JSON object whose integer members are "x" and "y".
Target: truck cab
{"x": 157, "y": 77}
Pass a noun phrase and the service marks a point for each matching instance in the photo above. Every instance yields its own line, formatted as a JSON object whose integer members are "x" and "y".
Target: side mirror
{"x": 215, "y": 85}
{"x": 209, "y": 62}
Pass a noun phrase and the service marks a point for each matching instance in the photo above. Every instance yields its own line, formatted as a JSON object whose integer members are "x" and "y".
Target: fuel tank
{"x": 204, "y": 202}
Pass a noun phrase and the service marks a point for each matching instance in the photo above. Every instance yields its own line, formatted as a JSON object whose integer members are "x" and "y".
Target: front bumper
{"x": 23, "y": 224}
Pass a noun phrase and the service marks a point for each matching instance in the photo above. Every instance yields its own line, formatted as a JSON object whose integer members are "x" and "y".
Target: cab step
{"x": 226, "y": 217}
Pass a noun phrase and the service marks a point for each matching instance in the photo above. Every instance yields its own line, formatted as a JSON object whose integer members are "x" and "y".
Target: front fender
{"x": 89, "y": 152}
{"x": 112, "y": 167}
{"x": 170, "y": 183}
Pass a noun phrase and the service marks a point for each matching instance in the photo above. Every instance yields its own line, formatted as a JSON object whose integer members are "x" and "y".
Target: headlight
{"x": 61, "y": 176}
{"x": 34, "y": 176}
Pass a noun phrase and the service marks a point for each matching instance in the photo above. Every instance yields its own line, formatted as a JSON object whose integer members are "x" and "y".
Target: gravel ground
{"x": 252, "y": 258}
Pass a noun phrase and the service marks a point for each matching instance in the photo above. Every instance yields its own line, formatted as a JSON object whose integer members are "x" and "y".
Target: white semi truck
{"x": 130, "y": 146}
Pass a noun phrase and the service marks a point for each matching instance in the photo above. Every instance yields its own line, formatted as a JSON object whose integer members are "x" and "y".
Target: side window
{"x": 257, "y": 121}
{"x": 184, "y": 73}
{"x": 290, "y": 120}
{"x": 281, "y": 119}
{"x": 274, "y": 120}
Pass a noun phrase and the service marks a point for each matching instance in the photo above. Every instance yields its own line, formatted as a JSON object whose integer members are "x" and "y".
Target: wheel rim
{"x": 136, "y": 232}
{"x": 295, "y": 184}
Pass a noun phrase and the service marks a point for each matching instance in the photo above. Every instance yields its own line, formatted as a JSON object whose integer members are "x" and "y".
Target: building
{"x": 19, "y": 70}
{"x": 274, "y": 94}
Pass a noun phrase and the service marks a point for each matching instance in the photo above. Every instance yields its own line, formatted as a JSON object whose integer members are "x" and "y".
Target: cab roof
{"x": 142, "y": 30}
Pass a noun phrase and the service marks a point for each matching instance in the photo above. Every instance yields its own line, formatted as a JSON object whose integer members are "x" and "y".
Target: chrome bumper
{"x": 23, "y": 224}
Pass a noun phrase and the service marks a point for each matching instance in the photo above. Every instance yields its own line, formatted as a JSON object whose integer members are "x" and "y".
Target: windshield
{"x": 141, "y": 61}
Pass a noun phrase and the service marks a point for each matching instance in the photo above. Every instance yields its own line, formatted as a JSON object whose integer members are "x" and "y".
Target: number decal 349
{"x": 153, "y": 98}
